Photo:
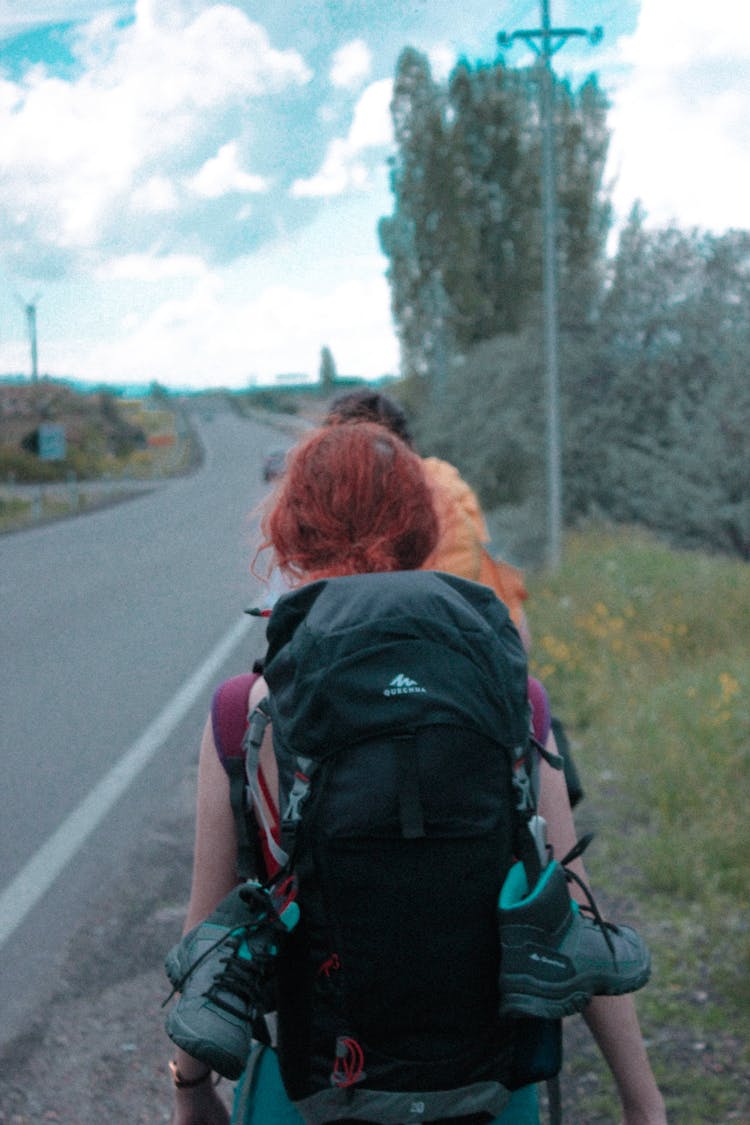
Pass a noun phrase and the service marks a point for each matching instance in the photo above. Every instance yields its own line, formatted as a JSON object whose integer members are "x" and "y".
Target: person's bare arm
{"x": 214, "y": 876}
{"x": 612, "y": 1020}
{"x": 215, "y": 854}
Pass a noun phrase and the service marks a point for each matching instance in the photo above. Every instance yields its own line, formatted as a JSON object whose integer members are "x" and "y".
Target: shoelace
{"x": 235, "y": 938}
{"x": 590, "y": 906}
{"x": 241, "y": 974}
{"x": 243, "y": 977}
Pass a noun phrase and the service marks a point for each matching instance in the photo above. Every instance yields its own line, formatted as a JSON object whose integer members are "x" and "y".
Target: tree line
{"x": 654, "y": 338}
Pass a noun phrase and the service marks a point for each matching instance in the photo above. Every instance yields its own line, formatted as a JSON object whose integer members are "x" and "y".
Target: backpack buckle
{"x": 298, "y": 792}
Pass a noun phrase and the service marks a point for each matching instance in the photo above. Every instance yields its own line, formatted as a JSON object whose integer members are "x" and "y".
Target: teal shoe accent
{"x": 515, "y": 889}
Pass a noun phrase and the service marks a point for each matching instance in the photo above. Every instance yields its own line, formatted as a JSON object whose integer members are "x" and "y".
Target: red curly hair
{"x": 353, "y": 500}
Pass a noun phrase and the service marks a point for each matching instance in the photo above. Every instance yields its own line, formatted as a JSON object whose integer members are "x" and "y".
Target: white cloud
{"x": 351, "y": 65}
{"x": 222, "y": 174}
{"x": 343, "y": 167}
{"x": 204, "y": 340}
{"x": 211, "y": 60}
{"x": 16, "y": 18}
{"x": 156, "y": 195}
{"x": 372, "y": 125}
{"x": 681, "y": 119}
{"x": 673, "y": 34}
{"x": 149, "y": 267}
{"x": 78, "y": 154}
{"x": 338, "y": 173}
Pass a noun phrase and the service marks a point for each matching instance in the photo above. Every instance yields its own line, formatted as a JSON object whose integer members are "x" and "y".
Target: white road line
{"x": 38, "y": 875}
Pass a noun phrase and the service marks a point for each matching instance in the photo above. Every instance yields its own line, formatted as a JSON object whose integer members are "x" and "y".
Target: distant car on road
{"x": 274, "y": 464}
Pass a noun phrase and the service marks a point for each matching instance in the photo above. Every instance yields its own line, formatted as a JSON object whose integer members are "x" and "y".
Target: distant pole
{"x": 439, "y": 309}
{"x": 31, "y": 319}
{"x": 546, "y": 35}
{"x": 549, "y": 213}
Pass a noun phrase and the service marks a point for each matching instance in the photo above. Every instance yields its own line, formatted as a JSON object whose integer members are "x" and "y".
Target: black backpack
{"x": 401, "y": 730}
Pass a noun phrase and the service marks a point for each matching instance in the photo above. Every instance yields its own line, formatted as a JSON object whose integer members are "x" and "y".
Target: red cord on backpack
{"x": 284, "y": 892}
{"x": 332, "y": 964}
{"x": 349, "y": 1065}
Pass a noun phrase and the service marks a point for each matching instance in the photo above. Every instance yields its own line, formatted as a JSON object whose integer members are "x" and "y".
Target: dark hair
{"x": 354, "y": 499}
{"x": 364, "y": 405}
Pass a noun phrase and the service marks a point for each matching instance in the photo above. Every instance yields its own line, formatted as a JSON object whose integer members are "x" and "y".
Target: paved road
{"x": 114, "y": 628}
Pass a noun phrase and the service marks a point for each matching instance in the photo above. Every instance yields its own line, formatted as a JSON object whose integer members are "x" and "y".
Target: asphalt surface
{"x": 115, "y": 627}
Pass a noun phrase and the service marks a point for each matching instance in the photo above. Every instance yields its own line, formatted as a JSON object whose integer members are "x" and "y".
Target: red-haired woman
{"x": 351, "y": 503}
{"x": 462, "y": 546}
{"x": 355, "y": 499}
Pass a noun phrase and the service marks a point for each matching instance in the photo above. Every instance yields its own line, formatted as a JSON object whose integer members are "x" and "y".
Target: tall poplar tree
{"x": 464, "y": 240}
{"x": 411, "y": 236}
{"x": 327, "y": 368}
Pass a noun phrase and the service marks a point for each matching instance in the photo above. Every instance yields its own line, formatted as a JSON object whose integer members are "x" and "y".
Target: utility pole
{"x": 440, "y": 343}
{"x": 31, "y": 320}
{"x": 29, "y": 308}
{"x": 546, "y": 41}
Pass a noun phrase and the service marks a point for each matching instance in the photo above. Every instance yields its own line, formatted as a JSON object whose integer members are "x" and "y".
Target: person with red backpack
{"x": 359, "y": 975}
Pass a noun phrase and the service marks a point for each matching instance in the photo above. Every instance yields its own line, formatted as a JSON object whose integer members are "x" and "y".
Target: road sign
{"x": 51, "y": 442}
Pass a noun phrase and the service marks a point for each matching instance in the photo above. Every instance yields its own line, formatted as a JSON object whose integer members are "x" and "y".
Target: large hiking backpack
{"x": 401, "y": 732}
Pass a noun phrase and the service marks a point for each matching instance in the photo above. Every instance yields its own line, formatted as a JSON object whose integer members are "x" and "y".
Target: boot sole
{"x": 226, "y": 1063}
{"x": 522, "y": 996}
{"x": 543, "y": 1008}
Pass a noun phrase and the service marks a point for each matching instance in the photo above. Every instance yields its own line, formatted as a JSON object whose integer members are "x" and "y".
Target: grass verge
{"x": 645, "y": 653}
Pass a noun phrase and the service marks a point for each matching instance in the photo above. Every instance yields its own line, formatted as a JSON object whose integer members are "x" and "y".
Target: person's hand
{"x": 200, "y": 1105}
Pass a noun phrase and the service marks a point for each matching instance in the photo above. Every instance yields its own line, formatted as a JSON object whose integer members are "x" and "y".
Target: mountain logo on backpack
{"x": 403, "y": 685}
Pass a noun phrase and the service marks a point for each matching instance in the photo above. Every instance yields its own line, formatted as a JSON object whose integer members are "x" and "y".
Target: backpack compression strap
{"x": 252, "y": 795}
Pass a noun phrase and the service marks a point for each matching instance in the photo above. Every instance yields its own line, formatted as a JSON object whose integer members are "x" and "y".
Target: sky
{"x": 190, "y": 191}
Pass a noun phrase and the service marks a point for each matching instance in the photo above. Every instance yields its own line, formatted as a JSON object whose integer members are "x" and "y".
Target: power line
{"x": 546, "y": 41}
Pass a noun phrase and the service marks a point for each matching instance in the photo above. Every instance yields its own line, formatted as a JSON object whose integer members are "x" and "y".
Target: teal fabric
{"x": 260, "y": 1099}
{"x": 522, "y": 1110}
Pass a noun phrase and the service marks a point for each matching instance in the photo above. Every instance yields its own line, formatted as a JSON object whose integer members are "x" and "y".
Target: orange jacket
{"x": 462, "y": 547}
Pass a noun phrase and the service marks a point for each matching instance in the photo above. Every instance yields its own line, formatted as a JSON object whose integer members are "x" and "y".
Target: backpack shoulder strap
{"x": 540, "y": 711}
{"x": 229, "y": 720}
{"x": 229, "y": 716}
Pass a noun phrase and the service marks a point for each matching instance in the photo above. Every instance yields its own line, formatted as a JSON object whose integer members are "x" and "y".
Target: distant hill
{"x": 104, "y": 433}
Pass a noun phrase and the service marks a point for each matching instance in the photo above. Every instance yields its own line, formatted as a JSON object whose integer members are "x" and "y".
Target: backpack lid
{"x": 359, "y": 656}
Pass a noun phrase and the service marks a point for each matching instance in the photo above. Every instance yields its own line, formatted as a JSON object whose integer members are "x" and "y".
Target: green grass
{"x": 645, "y": 652}
{"x": 17, "y": 513}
